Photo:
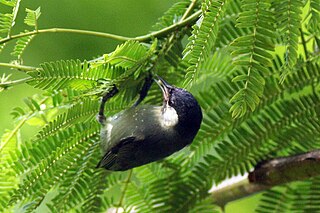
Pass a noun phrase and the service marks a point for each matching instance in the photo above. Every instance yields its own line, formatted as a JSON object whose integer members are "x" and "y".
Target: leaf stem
{"x": 18, "y": 67}
{"x": 188, "y": 11}
{"x": 15, "y": 82}
{"x": 126, "y": 183}
{"x": 304, "y": 44}
{"x": 146, "y": 37}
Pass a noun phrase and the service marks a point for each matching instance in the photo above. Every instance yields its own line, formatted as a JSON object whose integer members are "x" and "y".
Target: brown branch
{"x": 268, "y": 174}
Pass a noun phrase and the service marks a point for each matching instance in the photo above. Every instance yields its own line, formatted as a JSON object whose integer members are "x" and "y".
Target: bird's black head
{"x": 186, "y": 106}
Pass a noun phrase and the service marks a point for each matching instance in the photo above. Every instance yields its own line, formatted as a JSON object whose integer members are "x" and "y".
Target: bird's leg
{"x": 144, "y": 90}
{"x": 101, "y": 117}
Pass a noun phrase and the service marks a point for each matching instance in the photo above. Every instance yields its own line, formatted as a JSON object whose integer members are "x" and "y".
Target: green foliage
{"x": 7, "y": 20}
{"x": 32, "y": 17}
{"x": 203, "y": 37}
{"x": 315, "y": 16}
{"x": 230, "y": 65}
{"x": 172, "y": 15}
{"x": 63, "y": 74}
{"x": 252, "y": 55}
{"x": 289, "y": 21}
{"x": 300, "y": 197}
{"x": 21, "y": 45}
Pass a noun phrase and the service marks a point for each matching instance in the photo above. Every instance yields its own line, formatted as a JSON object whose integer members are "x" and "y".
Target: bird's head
{"x": 186, "y": 106}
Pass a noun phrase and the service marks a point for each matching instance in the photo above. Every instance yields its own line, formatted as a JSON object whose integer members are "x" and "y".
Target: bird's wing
{"x": 109, "y": 159}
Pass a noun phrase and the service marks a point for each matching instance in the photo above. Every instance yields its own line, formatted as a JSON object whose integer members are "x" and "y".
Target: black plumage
{"x": 144, "y": 134}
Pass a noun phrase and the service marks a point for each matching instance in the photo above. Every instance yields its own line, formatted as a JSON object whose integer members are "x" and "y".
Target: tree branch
{"x": 268, "y": 174}
{"x": 146, "y": 37}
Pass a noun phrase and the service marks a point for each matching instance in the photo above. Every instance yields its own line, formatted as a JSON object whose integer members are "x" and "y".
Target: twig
{"x": 123, "y": 193}
{"x": 304, "y": 44}
{"x": 15, "y": 82}
{"x": 18, "y": 67}
{"x": 146, "y": 37}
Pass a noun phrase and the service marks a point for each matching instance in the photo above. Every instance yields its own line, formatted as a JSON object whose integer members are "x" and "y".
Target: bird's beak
{"x": 164, "y": 86}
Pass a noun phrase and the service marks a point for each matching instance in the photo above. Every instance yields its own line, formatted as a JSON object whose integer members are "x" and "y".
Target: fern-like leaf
{"x": 252, "y": 55}
{"x": 173, "y": 15}
{"x": 127, "y": 55}
{"x": 32, "y": 17}
{"x": 37, "y": 182}
{"x": 313, "y": 25}
{"x": 288, "y": 16}
{"x": 294, "y": 197}
{"x": 203, "y": 37}
{"x": 21, "y": 45}
{"x": 72, "y": 74}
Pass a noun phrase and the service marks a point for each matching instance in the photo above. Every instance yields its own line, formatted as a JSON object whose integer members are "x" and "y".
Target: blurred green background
{"x": 125, "y": 17}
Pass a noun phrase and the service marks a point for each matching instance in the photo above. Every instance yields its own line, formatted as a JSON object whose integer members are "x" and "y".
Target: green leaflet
{"x": 251, "y": 54}
{"x": 288, "y": 17}
{"x": 203, "y": 38}
{"x": 272, "y": 119}
{"x": 32, "y": 17}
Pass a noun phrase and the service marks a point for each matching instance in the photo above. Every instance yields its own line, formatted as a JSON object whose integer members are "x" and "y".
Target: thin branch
{"x": 304, "y": 44}
{"x": 7, "y": 84}
{"x": 123, "y": 193}
{"x": 268, "y": 174}
{"x": 18, "y": 67}
{"x": 189, "y": 10}
{"x": 146, "y": 37}
{"x": 64, "y": 30}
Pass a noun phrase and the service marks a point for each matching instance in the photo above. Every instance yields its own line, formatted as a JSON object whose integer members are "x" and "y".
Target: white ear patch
{"x": 109, "y": 129}
{"x": 169, "y": 117}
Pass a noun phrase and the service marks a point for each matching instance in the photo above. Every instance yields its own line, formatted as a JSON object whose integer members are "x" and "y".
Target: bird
{"x": 146, "y": 133}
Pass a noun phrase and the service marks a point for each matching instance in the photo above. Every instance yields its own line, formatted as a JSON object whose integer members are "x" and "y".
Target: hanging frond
{"x": 294, "y": 197}
{"x": 205, "y": 206}
{"x": 314, "y": 11}
{"x": 75, "y": 187}
{"x": 217, "y": 68}
{"x": 203, "y": 37}
{"x": 32, "y": 17}
{"x": 274, "y": 200}
{"x": 81, "y": 112}
{"x": 172, "y": 15}
{"x": 252, "y": 55}
{"x": 227, "y": 30}
{"x": 49, "y": 168}
{"x": 30, "y": 20}
{"x": 173, "y": 52}
{"x": 21, "y": 45}
{"x": 7, "y": 20}
{"x": 288, "y": 17}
